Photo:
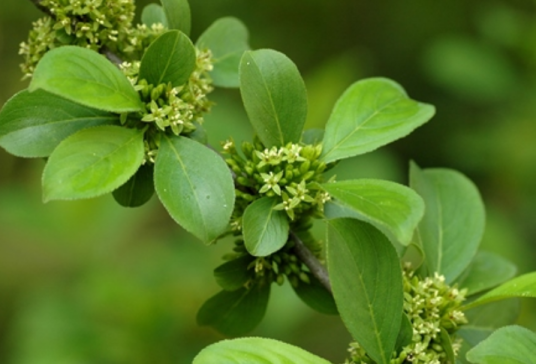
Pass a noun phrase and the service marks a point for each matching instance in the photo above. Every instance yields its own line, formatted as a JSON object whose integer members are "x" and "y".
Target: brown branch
{"x": 317, "y": 269}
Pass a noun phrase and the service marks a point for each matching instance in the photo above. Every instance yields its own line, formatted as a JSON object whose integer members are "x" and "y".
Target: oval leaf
{"x": 255, "y": 350}
{"x": 32, "y": 124}
{"x": 522, "y": 286}
{"x": 154, "y": 14}
{"x": 138, "y": 189}
{"x": 92, "y": 162}
{"x": 87, "y": 78}
{"x": 392, "y": 208}
{"x": 507, "y": 345}
{"x": 178, "y": 15}
{"x": 486, "y": 271}
{"x": 170, "y": 58}
{"x": 234, "y": 274}
{"x": 227, "y": 39}
{"x": 235, "y": 313}
{"x": 366, "y": 279}
{"x": 195, "y": 186}
{"x": 453, "y": 223}
{"x": 265, "y": 230}
{"x": 371, "y": 113}
{"x": 315, "y": 295}
{"x": 274, "y": 96}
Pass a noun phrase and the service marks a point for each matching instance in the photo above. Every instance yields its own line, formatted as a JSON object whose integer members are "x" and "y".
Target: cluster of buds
{"x": 177, "y": 109}
{"x": 93, "y": 24}
{"x": 431, "y": 306}
{"x": 291, "y": 173}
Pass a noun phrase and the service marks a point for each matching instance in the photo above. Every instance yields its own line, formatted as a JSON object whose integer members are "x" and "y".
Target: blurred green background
{"x": 90, "y": 282}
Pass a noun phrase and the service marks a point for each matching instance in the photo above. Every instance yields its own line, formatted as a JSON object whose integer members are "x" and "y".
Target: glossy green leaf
{"x": 314, "y": 295}
{"x": 138, "y": 189}
{"x": 87, "y": 78}
{"x": 92, "y": 162}
{"x": 233, "y": 274}
{"x": 405, "y": 335}
{"x": 255, "y": 350}
{"x": 392, "y": 208}
{"x": 235, "y": 313}
{"x": 371, "y": 113}
{"x": 32, "y": 124}
{"x": 522, "y": 286}
{"x": 170, "y": 58}
{"x": 195, "y": 186}
{"x": 154, "y": 14}
{"x": 486, "y": 271}
{"x": 453, "y": 223}
{"x": 265, "y": 230}
{"x": 507, "y": 345}
{"x": 274, "y": 96}
{"x": 227, "y": 39}
{"x": 178, "y": 15}
{"x": 366, "y": 279}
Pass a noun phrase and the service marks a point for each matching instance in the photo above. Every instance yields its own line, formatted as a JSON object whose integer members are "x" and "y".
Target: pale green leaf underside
{"x": 371, "y": 113}
{"x": 87, "y": 78}
{"x": 178, "y": 15}
{"x": 154, "y": 14}
{"x": 254, "y": 350}
{"x": 92, "y": 162}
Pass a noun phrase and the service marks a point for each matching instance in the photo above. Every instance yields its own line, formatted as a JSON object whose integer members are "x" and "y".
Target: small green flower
{"x": 271, "y": 180}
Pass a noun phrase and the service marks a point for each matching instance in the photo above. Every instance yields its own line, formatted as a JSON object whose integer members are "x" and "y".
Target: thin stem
{"x": 308, "y": 258}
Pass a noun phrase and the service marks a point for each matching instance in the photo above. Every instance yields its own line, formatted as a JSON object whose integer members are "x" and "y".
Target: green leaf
{"x": 265, "y": 230}
{"x": 154, "y": 14}
{"x": 522, "y": 286}
{"x": 195, "y": 186}
{"x": 233, "y": 274}
{"x": 392, "y": 208}
{"x": 446, "y": 343}
{"x": 92, "y": 162}
{"x": 255, "y": 350}
{"x": 486, "y": 271}
{"x": 507, "y": 345}
{"x": 405, "y": 335}
{"x": 274, "y": 96}
{"x": 313, "y": 136}
{"x": 235, "y": 313}
{"x": 371, "y": 113}
{"x": 87, "y": 78}
{"x": 138, "y": 189}
{"x": 227, "y": 39}
{"x": 170, "y": 58}
{"x": 178, "y": 15}
{"x": 315, "y": 295}
{"x": 32, "y": 124}
{"x": 366, "y": 279}
{"x": 453, "y": 223}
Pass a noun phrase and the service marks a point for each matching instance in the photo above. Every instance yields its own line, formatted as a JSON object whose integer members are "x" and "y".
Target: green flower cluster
{"x": 94, "y": 24}
{"x": 291, "y": 173}
{"x": 431, "y": 306}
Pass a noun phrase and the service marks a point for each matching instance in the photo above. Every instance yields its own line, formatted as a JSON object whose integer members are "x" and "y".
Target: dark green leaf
{"x": 138, "y": 189}
{"x": 227, "y": 39}
{"x": 366, "y": 279}
{"x": 274, "y": 96}
{"x": 87, "y": 78}
{"x": 507, "y": 345}
{"x": 233, "y": 274}
{"x": 405, "y": 335}
{"x": 154, "y": 14}
{"x": 265, "y": 230}
{"x": 235, "y": 313}
{"x": 371, "y": 113}
{"x": 255, "y": 350}
{"x": 195, "y": 185}
{"x": 32, "y": 124}
{"x": 392, "y": 208}
{"x": 178, "y": 15}
{"x": 453, "y": 223}
{"x": 316, "y": 296}
{"x": 486, "y": 271}
{"x": 522, "y": 286}
{"x": 92, "y": 162}
{"x": 170, "y": 58}
{"x": 313, "y": 136}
